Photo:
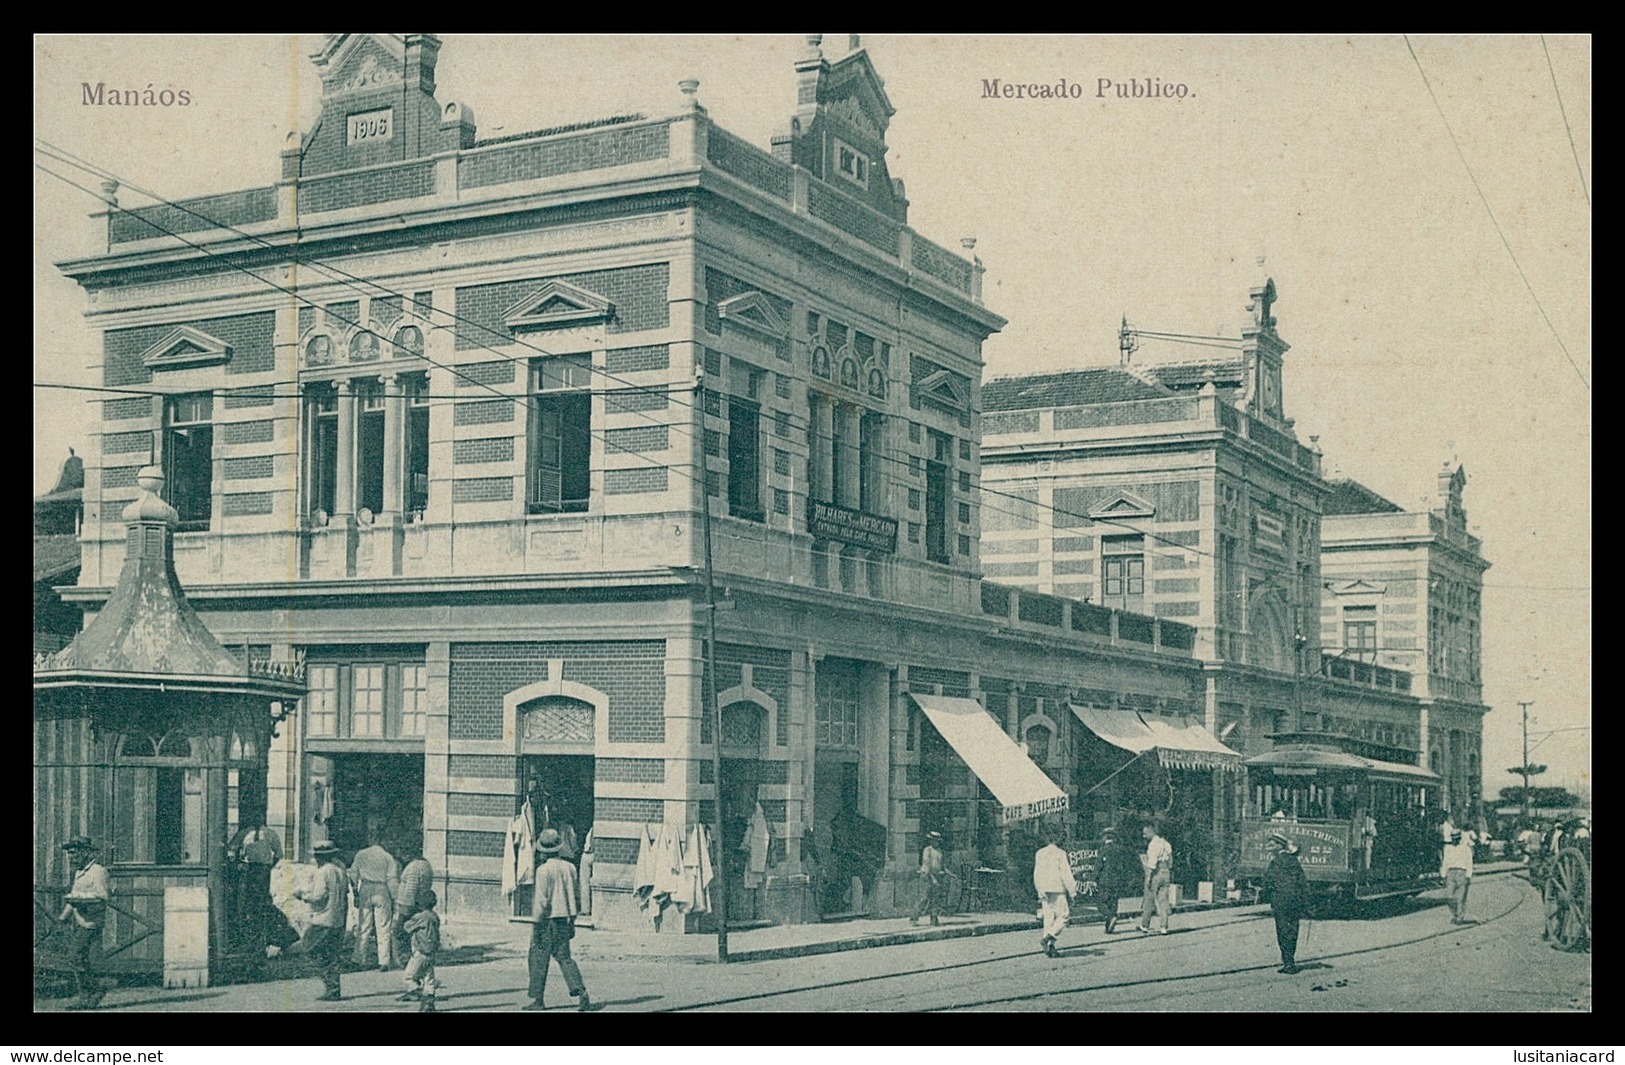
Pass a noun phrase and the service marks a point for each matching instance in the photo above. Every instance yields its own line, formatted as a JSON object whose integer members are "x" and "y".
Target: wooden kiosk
{"x": 151, "y": 738}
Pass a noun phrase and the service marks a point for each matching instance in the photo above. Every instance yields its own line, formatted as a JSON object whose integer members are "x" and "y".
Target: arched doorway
{"x": 556, "y": 775}
{"x": 745, "y": 732}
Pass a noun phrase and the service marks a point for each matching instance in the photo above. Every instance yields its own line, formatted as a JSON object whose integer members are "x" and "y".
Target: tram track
{"x": 1082, "y": 988}
{"x": 1232, "y": 971}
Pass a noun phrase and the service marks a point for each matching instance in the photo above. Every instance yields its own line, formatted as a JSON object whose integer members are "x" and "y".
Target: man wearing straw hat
{"x": 933, "y": 878}
{"x": 85, "y": 911}
{"x": 554, "y": 905}
{"x": 329, "y": 902}
{"x": 1286, "y": 889}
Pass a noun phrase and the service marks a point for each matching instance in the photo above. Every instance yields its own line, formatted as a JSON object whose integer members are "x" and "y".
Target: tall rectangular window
{"x": 417, "y": 448}
{"x": 322, "y": 701}
{"x": 937, "y": 485}
{"x": 1360, "y": 633}
{"x": 414, "y": 700}
{"x": 189, "y": 458}
{"x": 817, "y": 445}
{"x": 322, "y": 402}
{"x": 367, "y": 701}
{"x": 744, "y": 459}
{"x": 871, "y": 444}
{"x": 561, "y": 435}
{"x": 1123, "y": 572}
{"x": 369, "y": 471}
{"x": 840, "y": 450}
{"x": 837, "y": 701}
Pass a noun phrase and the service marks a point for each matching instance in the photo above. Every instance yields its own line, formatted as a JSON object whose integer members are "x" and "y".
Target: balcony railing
{"x": 1035, "y": 611}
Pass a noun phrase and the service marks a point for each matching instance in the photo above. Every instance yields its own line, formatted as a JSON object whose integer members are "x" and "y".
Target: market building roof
{"x": 1071, "y": 388}
{"x": 1349, "y": 496}
{"x": 1183, "y": 376}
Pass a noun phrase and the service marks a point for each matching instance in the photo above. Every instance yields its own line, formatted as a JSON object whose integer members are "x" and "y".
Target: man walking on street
{"x": 1052, "y": 877}
{"x": 554, "y": 906}
{"x": 1286, "y": 889}
{"x": 932, "y": 877}
{"x": 413, "y": 893}
{"x": 1119, "y": 877}
{"x": 376, "y": 876}
{"x": 85, "y": 912}
{"x": 1159, "y": 870}
{"x": 329, "y": 902}
{"x": 1457, "y": 867}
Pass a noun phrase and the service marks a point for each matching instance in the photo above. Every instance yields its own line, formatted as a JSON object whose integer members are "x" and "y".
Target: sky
{"x": 1435, "y": 289}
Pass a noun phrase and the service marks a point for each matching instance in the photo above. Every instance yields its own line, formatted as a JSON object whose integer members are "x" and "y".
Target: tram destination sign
{"x": 827, "y": 521}
{"x": 1320, "y": 845}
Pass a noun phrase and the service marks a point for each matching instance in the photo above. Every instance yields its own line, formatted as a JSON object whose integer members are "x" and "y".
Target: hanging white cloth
{"x": 757, "y": 839}
{"x": 586, "y": 874}
{"x": 643, "y": 877}
{"x": 519, "y": 851}
{"x": 668, "y": 883}
{"x": 697, "y": 871}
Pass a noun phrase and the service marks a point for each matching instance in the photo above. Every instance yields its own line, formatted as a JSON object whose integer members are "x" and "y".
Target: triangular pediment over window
{"x": 555, "y": 304}
{"x": 186, "y": 347}
{"x": 944, "y": 389}
{"x": 1356, "y": 587}
{"x": 750, "y": 310}
{"x": 1122, "y": 505}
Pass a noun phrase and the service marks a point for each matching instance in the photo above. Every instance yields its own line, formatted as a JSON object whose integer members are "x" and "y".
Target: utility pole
{"x": 719, "y": 904}
{"x": 1524, "y": 706}
{"x": 1299, "y": 641}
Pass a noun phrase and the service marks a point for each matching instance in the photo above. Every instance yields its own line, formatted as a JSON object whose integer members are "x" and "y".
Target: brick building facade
{"x": 440, "y": 415}
{"x": 1180, "y": 489}
{"x": 1404, "y": 591}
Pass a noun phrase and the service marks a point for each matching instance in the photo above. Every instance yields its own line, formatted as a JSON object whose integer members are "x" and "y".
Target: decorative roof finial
{"x": 813, "y": 51}
{"x": 853, "y": 42}
{"x": 968, "y": 243}
{"x": 148, "y": 506}
{"x": 690, "y": 88}
{"x": 110, "y": 192}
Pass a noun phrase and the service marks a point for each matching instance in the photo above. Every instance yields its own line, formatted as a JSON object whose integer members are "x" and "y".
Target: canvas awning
{"x": 1023, "y": 789}
{"x": 1179, "y": 742}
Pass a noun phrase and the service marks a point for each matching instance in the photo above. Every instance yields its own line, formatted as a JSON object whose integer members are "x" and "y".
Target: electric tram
{"x": 1366, "y": 822}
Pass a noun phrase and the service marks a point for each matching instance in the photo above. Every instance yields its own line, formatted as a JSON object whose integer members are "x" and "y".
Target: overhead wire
{"x": 805, "y": 426}
{"x": 352, "y": 281}
{"x": 521, "y": 400}
{"x": 1472, "y": 177}
{"x": 1566, "y": 127}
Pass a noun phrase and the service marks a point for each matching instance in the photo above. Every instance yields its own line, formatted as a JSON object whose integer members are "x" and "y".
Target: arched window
{"x": 1038, "y": 744}
{"x": 158, "y": 801}
{"x": 557, "y": 719}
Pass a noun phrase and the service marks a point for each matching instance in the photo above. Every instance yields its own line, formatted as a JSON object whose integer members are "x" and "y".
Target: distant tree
{"x": 1540, "y": 796}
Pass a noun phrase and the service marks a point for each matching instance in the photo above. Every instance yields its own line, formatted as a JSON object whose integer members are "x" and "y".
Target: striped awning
{"x": 1180, "y": 743}
{"x": 1024, "y": 791}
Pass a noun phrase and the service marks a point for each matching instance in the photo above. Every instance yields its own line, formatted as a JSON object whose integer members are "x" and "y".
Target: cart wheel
{"x": 1567, "y": 901}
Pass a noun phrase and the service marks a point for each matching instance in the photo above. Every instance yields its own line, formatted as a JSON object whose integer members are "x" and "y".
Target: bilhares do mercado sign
{"x": 830, "y": 522}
